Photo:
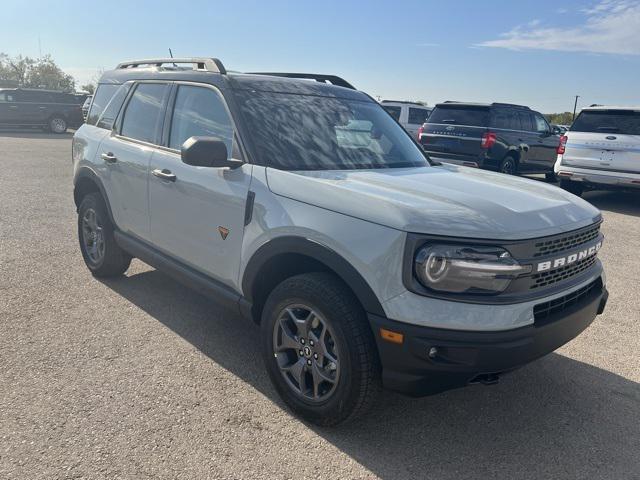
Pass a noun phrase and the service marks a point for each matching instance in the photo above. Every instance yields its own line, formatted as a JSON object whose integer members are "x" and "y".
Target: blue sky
{"x": 540, "y": 53}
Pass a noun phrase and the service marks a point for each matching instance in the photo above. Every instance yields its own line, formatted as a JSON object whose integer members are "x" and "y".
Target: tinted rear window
{"x": 625, "y": 122}
{"x": 460, "y": 115}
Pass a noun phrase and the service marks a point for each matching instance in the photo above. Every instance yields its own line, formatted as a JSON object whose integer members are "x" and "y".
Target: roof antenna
{"x": 171, "y": 55}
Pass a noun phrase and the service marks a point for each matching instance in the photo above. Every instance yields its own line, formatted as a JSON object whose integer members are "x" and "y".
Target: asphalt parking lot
{"x": 142, "y": 378}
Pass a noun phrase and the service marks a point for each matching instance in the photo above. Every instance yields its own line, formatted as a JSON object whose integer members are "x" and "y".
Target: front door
{"x": 197, "y": 213}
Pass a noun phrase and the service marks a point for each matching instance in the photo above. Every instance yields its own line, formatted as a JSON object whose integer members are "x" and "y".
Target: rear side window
{"x": 526, "y": 121}
{"x": 460, "y": 115}
{"x": 143, "y": 112}
{"x": 506, "y": 119}
{"x": 418, "y": 115}
{"x": 100, "y": 100}
{"x": 624, "y": 122}
{"x": 393, "y": 111}
{"x": 110, "y": 112}
{"x": 540, "y": 123}
{"x": 199, "y": 111}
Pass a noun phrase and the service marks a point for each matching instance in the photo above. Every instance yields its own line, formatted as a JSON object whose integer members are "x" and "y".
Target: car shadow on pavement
{"x": 624, "y": 202}
{"x": 556, "y": 418}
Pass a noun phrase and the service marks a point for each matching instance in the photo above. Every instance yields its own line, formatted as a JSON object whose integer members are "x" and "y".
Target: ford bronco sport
{"x": 304, "y": 206}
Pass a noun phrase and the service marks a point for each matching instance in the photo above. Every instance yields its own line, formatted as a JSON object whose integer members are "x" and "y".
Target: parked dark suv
{"x": 498, "y": 136}
{"x": 50, "y": 109}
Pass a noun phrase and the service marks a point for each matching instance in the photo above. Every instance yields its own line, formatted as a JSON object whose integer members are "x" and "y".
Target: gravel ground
{"x": 142, "y": 378}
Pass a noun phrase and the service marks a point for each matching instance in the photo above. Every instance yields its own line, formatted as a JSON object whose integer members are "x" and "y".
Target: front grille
{"x": 558, "y": 275}
{"x": 561, "y": 244}
{"x": 546, "y": 309}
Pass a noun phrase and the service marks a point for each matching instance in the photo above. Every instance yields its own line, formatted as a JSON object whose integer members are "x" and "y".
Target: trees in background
{"x": 34, "y": 73}
{"x": 564, "y": 118}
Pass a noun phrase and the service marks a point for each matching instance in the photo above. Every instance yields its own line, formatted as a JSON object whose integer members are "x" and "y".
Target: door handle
{"x": 42, "y": 107}
{"x": 13, "y": 107}
{"x": 109, "y": 157}
{"x": 164, "y": 174}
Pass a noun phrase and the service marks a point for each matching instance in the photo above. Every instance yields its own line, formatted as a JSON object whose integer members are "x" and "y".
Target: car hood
{"x": 441, "y": 200}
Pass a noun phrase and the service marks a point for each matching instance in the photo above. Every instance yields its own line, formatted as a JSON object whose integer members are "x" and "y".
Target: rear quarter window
{"x": 101, "y": 99}
{"x": 460, "y": 115}
{"x": 393, "y": 111}
{"x": 624, "y": 122}
{"x": 418, "y": 115}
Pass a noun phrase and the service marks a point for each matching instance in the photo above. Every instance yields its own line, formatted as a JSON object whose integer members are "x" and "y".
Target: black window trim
{"x": 117, "y": 125}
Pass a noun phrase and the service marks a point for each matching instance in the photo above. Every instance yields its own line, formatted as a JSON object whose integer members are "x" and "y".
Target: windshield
{"x": 460, "y": 115}
{"x": 624, "y": 122}
{"x": 306, "y": 132}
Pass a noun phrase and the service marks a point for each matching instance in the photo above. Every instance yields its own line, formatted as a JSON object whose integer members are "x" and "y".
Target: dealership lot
{"x": 141, "y": 377}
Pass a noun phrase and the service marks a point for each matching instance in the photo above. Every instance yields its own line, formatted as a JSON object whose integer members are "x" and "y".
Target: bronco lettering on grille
{"x": 569, "y": 259}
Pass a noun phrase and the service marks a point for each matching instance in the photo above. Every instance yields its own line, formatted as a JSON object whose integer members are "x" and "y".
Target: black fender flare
{"x": 321, "y": 253}
{"x": 85, "y": 174}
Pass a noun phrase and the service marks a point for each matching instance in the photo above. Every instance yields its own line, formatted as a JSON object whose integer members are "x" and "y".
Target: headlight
{"x": 466, "y": 269}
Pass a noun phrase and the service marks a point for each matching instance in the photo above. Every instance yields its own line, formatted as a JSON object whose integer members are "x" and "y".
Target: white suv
{"x": 408, "y": 114}
{"x": 307, "y": 209}
{"x": 601, "y": 150}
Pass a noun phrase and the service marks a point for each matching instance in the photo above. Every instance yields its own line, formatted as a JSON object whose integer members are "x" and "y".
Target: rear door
{"x": 197, "y": 215}
{"x": 126, "y": 154}
{"x": 528, "y": 139}
{"x": 453, "y": 133}
{"x": 605, "y": 140}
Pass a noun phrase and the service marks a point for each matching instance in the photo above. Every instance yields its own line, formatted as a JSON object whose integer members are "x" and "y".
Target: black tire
{"x": 509, "y": 165}
{"x": 57, "y": 124}
{"x": 112, "y": 261}
{"x": 551, "y": 177}
{"x": 572, "y": 187}
{"x": 358, "y": 383}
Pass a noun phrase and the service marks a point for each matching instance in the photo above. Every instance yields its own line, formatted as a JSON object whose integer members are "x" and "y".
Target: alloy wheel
{"x": 306, "y": 353}
{"x": 93, "y": 236}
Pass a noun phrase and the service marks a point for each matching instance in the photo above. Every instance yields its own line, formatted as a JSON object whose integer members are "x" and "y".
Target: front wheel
{"x": 319, "y": 350}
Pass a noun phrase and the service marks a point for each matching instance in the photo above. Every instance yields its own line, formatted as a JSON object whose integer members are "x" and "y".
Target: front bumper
{"x": 464, "y": 357}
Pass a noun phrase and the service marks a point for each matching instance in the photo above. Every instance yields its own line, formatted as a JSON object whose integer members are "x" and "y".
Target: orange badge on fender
{"x": 223, "y": 232}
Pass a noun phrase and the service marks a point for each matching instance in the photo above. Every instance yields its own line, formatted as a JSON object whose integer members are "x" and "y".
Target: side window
{"x": 100, "y": 100}
{"x": 393, "y": 111}
{"x": 525, "y": 121}
{"x": 199, "y": 111}
{"x": 500, "y": 118}
{"x": 541, "y": 123}
{"x": 143, "y": 112}
{"x": 418, "y": 115}
{"x": 110, "y": 113}
{"x": 2, "y": 97}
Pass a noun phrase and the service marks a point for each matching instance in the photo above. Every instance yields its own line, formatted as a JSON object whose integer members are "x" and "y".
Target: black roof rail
{"x": 408, "y": 102}
{"x": 197, "y": 63}
{"x": 510, "y": 105}
{"x": 332, "y": 79}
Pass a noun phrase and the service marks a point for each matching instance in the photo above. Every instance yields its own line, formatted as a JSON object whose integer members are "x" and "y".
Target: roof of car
{"x": 244, "y": 81}
{"x": 449, "y": 103}
{"x": 612, "y": 107}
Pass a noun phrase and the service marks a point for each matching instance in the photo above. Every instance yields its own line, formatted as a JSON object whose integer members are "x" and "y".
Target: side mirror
{"x": 207, "y": 152}
{"x": 555, "y": 130}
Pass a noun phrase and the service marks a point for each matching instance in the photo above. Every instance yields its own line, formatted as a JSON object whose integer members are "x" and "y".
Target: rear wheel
{"x": 102, "y": 255}
{"x": 551, "y": 177}
{"x": 572, "y": 187}
{"x": 319, "y": 350}
{"x": 57, "y": 125}
{"x": 509, "y": 165}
